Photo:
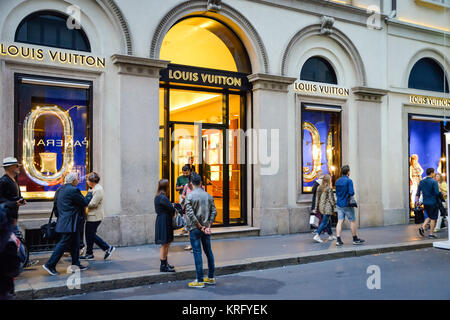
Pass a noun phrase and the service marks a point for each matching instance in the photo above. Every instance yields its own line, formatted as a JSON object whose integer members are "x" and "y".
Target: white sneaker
{"x": 317, "y": 238}
{"x": 331, "y": 238}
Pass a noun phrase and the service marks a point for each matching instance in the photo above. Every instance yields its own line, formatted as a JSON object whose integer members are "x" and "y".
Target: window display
{"x": 52, "y": 134}
{"x": 426, "y": 150}
{"x": 321, "y": 145}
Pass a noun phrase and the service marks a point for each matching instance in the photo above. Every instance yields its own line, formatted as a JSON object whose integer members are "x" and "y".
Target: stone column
{"x": 139, "y": 145}
{"x": 270, "y": 202}
{"x": 369, "y": 180}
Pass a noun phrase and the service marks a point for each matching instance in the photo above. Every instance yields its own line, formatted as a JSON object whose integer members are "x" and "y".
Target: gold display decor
{"x": 309, "y": 174}
{"x": 47, "y": 163}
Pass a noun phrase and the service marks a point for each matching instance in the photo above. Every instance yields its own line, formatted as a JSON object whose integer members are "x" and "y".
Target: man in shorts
{"x": 344, "y": 190}
{"x": 430, "y": 192}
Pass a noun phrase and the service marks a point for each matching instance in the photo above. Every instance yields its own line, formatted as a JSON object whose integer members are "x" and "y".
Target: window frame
{"x": 90, "y": 114}
{"x": 55, "y": 14}
{"x": 327, "y": 63}
{"x": 446, "y": 84}
{"x": 302, "y": 110}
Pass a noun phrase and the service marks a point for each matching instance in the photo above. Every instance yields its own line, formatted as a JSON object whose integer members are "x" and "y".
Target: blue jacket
{"x": 344, "y": 190}
{"x": 430, "y": 191}
{"x": 70, "y": 205}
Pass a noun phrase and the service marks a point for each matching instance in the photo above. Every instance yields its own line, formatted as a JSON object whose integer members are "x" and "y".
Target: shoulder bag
{"x": 178, "y": 221}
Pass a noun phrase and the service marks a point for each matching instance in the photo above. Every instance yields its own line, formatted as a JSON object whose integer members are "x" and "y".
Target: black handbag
{"x": 352, "y": 202}
{"x": 48, "y": 230}
{"x": 418, "y": 215}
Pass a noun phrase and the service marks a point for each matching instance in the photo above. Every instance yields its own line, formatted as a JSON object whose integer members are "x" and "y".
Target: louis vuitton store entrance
{"x": 203, "y": 97}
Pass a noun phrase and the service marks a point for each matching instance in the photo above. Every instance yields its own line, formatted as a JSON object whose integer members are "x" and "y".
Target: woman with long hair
{"x": 164, "y": 230}
{"x": 326, "y": 205}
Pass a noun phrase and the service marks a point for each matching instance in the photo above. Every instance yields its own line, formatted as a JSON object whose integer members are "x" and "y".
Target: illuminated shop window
{"x": 50, "y": 29}
{"x": 318, "y": 69}
{"x": 204, "y": 42}
{"x": 426, "y": 150}
{"x": 53, "y": 136}
{"x": 427, "y": 74}
{"x": 321, "y": 144}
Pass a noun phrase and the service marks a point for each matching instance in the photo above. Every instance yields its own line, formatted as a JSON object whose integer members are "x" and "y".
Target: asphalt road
{"x": 410, "y": 275}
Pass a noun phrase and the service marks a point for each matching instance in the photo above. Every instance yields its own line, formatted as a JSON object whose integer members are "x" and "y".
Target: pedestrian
{"x": 313, "y": 204}
{"x": 344, "y": 191}
{"x": 9, "y": 188}
{"x": 190, "y": 164}
{"x": 200, "y": 212}
{"x": 95, "y": 216}
{"x": 442, "y": 202}
{"x": 163, "y": 228}
{"x": 70, "y": 207}
{"x": 9, "y": 252}
{"x": 188, "y": 188}
{"x": 429, "y": 189}
{"x": 182, "y": 181}
{"x": 326, "y": 205}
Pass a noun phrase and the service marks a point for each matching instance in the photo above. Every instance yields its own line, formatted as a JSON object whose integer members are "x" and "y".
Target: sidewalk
{"x": 135, "y": 266}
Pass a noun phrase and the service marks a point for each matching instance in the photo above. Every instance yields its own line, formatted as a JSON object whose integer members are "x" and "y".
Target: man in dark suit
{"x": 9, "y": 189}
{"x": 430, "y": 192}
{"x": 70, "y": 206}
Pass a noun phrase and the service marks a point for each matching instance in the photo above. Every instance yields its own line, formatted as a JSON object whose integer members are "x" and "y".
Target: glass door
{"x": 212, "y": 171}
{"x": 204, "y": 129}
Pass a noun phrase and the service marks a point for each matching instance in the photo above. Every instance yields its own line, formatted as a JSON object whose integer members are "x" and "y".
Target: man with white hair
{"x": 70, "y": 208}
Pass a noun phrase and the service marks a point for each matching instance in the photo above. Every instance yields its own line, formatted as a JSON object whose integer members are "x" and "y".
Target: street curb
{"x": 134, "y": 279}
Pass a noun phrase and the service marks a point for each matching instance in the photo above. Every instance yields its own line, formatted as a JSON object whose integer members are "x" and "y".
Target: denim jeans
{"x": 326, "y": 223}
{"x": 92, "y": 237}
{"x": 69, "y": 242}
{"x": 199, "y": 239}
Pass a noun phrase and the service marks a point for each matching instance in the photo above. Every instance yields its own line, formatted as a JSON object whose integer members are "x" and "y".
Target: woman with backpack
{"x": 326, "y": 205}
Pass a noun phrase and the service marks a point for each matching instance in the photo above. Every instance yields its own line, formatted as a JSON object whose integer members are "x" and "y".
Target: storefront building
{"x": 256, "y": 95}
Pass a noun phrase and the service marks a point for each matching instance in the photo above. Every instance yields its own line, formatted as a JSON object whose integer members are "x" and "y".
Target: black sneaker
{"x": 51, "y": 271}
{"x": 339, "y": 243}
{"x": 422, "y": 232}
{"x": 358, "y": 241}
{"x": 80, "y": 267}
{"x": 109, "y": 252}
{"x": 87, "y": 257}
{"x": 432, "y": 236}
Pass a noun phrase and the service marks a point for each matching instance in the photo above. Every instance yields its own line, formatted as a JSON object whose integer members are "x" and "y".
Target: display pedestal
{"x": 442, "y": 245}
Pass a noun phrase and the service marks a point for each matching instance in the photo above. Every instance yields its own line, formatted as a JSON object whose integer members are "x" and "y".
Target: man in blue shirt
{"x": 430, "y": 192}
{"x": 344, "y": 190}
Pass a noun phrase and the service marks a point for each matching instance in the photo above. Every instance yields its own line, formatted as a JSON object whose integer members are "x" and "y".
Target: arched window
{"x": 203, "y": 42}
{"x": 50, "y": 29}
{"x": 427, "y": 74}
{"x": 318, "y": 69}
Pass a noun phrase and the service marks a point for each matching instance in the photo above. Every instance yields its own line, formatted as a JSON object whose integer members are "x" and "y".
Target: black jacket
{"x": 314, "y": 189}
{"x": 70, "y": 204}
{"x": 9, "y": 267}
{"x": 9, "y": 194}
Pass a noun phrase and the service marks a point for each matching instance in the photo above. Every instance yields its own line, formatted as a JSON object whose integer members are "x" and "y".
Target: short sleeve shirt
{"x": 182, "y": 181}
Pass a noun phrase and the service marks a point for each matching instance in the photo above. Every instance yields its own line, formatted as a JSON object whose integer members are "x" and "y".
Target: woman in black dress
{"x": 164, "y": 231}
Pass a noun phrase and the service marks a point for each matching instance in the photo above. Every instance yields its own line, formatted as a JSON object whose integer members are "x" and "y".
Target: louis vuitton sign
{"x": 39, "y": 54}
{"x": 204, "y": 77}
